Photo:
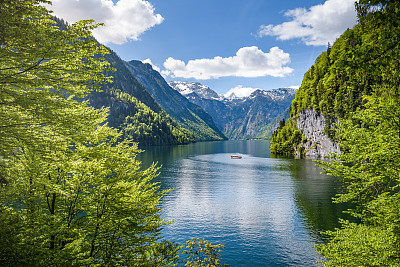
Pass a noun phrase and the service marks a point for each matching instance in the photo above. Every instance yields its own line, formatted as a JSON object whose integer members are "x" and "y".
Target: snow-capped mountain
{"x": 188, "y": 89}
{"x": 239, "y": 92}
{"x": 241, "y": 112}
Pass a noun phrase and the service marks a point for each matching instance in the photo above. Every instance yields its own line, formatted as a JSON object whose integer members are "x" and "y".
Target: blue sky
{"x": 220, "y": 43}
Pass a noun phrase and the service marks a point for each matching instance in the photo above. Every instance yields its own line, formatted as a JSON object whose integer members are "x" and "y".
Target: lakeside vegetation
{"x": 71, "y": 190}
{"x": 357, "y": 80}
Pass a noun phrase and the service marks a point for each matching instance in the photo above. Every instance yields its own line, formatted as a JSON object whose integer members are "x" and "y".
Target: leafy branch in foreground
{"x": 71, "y": 194}
{"x": 370, "y": 172}
{"x": 201, "y": 253}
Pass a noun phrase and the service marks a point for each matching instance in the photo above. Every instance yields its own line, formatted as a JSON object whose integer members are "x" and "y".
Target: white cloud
{"x": 148, "y": 61}
{"x": 240, "y": 92}
{"x": 316, "y": 26}
{"x": 295, "y": 87}
{"x": 248, "y": 62}
{"x": 126, "y": 20}
{"x": 164, "y": 73}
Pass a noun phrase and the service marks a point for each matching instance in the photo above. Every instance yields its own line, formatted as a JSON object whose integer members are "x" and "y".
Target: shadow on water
{"x": 313, "y": 195}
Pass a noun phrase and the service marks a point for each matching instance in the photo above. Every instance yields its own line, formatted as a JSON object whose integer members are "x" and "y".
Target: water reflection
{"x": 267, "y": 211}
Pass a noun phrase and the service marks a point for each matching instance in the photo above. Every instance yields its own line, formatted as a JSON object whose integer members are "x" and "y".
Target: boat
{"x": 236, "y": 157}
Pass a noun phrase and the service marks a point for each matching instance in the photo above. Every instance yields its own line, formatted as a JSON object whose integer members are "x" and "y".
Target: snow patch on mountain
{"x": 239, "y": 92}
{"x": 190, "y": 88}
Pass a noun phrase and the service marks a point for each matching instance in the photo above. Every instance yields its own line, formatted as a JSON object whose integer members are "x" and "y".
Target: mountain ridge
{"x": 189, "y": 115}
{"x": 240, "y": 117}
{"x": 134, "y": 111}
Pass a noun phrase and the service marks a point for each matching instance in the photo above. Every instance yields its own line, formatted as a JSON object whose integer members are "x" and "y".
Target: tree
{"x": 202, "y": 253}
{"x": 39, "y": 65}
{"x": 71, "y": 193}
{"x": 370, "y": 171}
{"x": 370, "y": 142}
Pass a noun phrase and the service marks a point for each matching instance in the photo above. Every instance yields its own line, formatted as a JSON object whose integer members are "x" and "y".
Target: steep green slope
{"x": 369, "y": 166}
{"x": 336, "y": 84}
{"x": 187, "y": 114}
{"x": 134, "y": 111}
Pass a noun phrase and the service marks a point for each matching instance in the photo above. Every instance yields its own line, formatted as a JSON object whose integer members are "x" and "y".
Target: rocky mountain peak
{"x": 241, "y": 112}
{"x": 188, "y": 88}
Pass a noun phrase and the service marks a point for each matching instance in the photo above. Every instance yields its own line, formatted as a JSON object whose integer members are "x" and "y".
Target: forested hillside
{"x": 358, "y": 81}
{"x": 188, "y": 115}
{"x": 335, "y": 86}
{"x": 134, "y": 111}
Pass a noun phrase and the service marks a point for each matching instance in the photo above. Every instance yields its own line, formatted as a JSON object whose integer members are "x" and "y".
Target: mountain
{"x": 131, "y": 108}
{"x": 134, "y": 111}
{"x": 190, "y": 89}
{"x": 238, "y": 115}
{"x": 361, "y": 60}
{"x": 189, "y": 115}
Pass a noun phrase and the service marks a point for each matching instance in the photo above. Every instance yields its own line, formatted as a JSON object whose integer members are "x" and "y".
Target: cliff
{"x": 313, "y": 126}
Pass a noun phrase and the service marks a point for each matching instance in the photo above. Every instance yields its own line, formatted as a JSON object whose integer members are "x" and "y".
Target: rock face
{"x": 312, "y": 124}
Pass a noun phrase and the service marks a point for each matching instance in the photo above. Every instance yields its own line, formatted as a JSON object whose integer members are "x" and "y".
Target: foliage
{"x": 202, "y": 253}
{"x": 71, "y": 192}
{"x": 89, "y": 205}
{"x": 371, "y": 175}
{"x": 370, "y": 140}
{"x": 287, "y": 139}
{"x": 361, "y": 59}
{"x": 360, "y": 245}
{"x": 138, "y": 122}
{"x": 35, "y": 54}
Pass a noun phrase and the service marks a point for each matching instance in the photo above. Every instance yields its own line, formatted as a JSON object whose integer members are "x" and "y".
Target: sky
{"x": 223, "y": 44}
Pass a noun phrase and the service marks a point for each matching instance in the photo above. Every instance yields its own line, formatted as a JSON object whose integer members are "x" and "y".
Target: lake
{"x": 266, "y": 211}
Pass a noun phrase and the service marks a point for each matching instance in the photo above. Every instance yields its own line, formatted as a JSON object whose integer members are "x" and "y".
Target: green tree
{"x": 201, "y": 253}
{"x": 370, "y": 141}
{"x": 370, "y": 172}
{"x": 71, "y": 194}
{"x": 39, "y": 65}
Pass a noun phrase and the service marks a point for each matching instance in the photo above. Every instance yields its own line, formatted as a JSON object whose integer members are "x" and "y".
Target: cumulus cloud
{"x": 248, "y": 62}
{"x": 164, "y": 73}
{"x": 148, "y": 61}
{"x": 126, "y": 20}
{"x": 316, "y": 26}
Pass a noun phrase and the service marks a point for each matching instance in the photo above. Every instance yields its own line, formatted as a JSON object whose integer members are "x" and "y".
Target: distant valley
{"x": 151, "y": 111}
{"x": 241, "y": 114}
